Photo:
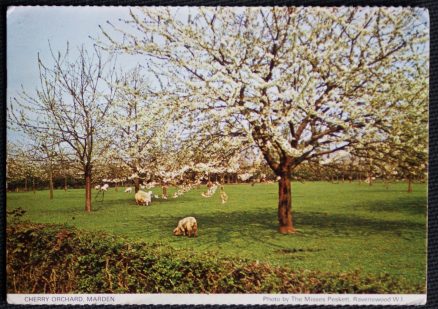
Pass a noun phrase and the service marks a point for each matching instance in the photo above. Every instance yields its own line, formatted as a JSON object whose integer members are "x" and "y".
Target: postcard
{"x": 217, "y": 155}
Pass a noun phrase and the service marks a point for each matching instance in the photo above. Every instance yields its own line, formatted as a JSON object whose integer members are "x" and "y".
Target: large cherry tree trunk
{"x": 285, "y": 205}
{"x": 88, "y": 190}
{"x": 283, "y": 171}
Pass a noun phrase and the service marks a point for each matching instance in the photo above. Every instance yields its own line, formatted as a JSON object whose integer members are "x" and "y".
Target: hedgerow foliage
{"x": 60, "y": 259}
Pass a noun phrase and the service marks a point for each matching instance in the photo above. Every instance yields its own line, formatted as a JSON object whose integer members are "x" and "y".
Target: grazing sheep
{"x": 128, "y": 190}
{"x": 187, "y": 227}
{"x": 104, "y": 187}
{"x": 97, "y": 187}
{"x": 143, "y": 198}
{"x": 156, "y": 196}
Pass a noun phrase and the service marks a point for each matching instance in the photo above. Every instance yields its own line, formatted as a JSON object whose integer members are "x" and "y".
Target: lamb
{"x": 142, "y": 198}
{"x": 104, "y": 187}
{"x": 128, "y": 190}
{"x": 187, "y": 227}
{"x": 97, "y": 187}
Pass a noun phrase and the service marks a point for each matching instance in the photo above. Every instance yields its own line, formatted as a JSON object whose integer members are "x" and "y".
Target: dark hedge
{"x": 60, "y": 259}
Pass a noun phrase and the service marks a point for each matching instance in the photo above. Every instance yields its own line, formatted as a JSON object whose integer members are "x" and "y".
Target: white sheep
{"x": 187, "y": 226}
{"x": 143, "y": 198}
{"x": 104, "y": 187}
{"x": 128, "y": 190}
{"x": 97, "y": 187}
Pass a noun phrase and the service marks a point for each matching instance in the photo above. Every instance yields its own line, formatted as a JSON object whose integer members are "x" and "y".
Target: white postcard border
{"x": 218, "y": 299}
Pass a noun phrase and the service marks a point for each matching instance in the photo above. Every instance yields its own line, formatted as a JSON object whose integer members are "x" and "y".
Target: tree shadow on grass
{"x": 258, "y": 226}
{"x": 409, "y": 205}
{"x": 351, "y": 225}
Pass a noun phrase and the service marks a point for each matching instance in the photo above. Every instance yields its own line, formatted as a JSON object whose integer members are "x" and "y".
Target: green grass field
{"x": 341, "y": 227}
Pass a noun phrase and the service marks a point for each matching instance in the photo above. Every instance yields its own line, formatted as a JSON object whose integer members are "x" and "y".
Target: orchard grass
{"x": 340, "y": 227}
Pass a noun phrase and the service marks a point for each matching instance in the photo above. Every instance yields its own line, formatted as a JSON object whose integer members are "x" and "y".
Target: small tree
{"x": 71, "y": 105}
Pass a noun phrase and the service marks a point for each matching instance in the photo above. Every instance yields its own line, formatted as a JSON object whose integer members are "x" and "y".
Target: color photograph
{"x": 217, "y": 150}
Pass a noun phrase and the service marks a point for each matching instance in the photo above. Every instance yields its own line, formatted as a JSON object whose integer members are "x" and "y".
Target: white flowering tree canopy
{"x": 297, "y": 82}
{"x": 401, "y": 147}
{"x": 141, "y": 128}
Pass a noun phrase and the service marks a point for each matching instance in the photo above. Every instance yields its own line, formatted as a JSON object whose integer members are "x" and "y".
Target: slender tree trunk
{"x": 50, "y": 182}
{"x": 25, "y": 184}
{"x": 33, "y": 185}
{"x": 88, "y": 191}
{"x": 137, "y": 184}
{"x": 409, "y": 184}
{"x": 285, "y": 205}
{"x": 65, "y": 183}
